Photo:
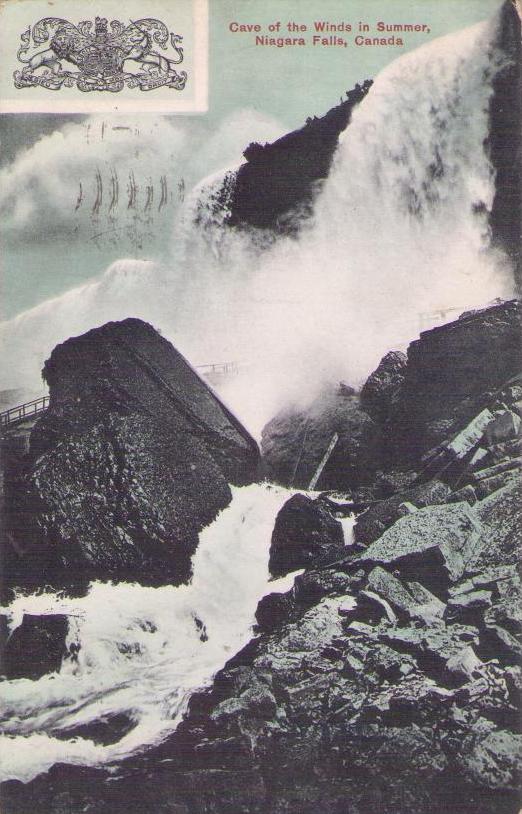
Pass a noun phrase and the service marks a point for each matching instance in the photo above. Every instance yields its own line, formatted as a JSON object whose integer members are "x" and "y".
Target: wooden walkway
{"x": 24, "y": 412}
{"x": 33, "y": 409}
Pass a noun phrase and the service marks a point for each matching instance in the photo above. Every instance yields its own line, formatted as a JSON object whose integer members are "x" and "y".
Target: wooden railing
{"x": 24, "y": 412}
{"x": 221, "y": 369}
{"x": 31, "y": 409}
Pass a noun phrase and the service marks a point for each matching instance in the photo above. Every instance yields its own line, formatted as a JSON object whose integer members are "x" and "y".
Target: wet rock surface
{"x": 389, "y": 678}
{"x": 364, "y": 685}
{"x": 295, "y": 441}
{"x": 452, "y": 373}
{"x": 133, "y": 457}
{"x": 36, "y": 647}
{"x": 383, "y": 385}
{"x": 447, "y": 412}
{"x": 304, "y": 532}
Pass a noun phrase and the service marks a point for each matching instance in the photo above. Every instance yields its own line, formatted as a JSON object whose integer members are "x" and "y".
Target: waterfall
{"x": 142, "y": 651}
{"x": 399, "y": 233}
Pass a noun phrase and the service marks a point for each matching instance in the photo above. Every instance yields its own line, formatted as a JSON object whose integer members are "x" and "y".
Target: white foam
{"x": 141, "y": 649}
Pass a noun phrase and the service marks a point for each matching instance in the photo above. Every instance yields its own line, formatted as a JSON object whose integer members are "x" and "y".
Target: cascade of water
{"x": 143, "y": 651}
{"x": 400, "y": 229}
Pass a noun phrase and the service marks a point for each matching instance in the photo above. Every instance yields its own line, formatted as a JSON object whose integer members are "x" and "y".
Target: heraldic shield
{"x": 101, "y": 57}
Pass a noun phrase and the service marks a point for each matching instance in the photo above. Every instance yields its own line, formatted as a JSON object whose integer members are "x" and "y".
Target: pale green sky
{"x": 291, "y": 83}
{"x": 294, "y": 82}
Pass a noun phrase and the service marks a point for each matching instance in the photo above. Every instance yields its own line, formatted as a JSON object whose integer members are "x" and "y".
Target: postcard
{"x": 260, "y": 406}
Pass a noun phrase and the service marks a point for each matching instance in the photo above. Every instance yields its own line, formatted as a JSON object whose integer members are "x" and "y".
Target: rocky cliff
{"x": 408, "y": 407}
{"x": 505, "y": 141}
{"x": 389, "y": 677}
{"x": 133, "y": 457}
{"x": 279, "y": 180}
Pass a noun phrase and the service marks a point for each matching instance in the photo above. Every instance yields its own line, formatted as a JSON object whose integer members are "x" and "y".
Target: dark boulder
{"x": 382, "y": 386}
{"x": 105, "y": 730}
{"x": 128, "y": 367}
{"x": 132, "y": 459}
{"x": 36, "y": 647}
{"x": 304, "y": 533}
{"x": 274, "y": 610}
{"x": 451, "y": 373}
{"x": 315, "y": 584}
{"x": 498, "y": 642}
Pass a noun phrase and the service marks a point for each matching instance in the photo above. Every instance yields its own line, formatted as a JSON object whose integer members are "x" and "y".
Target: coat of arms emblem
{"x": 103, "y": 59}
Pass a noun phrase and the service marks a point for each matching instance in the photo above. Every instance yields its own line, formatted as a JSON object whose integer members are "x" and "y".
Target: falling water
{"x": 143, "y": 651}
{"x": 400, "y": 231}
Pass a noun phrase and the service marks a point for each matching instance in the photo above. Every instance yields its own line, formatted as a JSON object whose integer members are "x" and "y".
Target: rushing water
{"x": 142, "y": 652}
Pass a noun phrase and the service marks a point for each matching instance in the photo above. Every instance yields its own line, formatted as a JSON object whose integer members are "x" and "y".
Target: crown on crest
{"x": 100, "y": 25}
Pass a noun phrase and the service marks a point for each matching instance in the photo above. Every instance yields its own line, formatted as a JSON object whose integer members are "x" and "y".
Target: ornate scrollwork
{"x": 99, "y": 56}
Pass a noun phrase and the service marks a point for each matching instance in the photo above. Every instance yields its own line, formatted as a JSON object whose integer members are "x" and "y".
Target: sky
{"x": 255, "y": 93}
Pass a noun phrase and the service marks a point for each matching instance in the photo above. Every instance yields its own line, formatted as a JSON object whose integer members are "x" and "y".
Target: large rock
{"x": 295, "y": 441}
{"x": 304, "y": 533}
{"x": 502, "y": 521}
{"x": 433, "y": 545}
{"x": 409, "y": 600}
{"x": 380, "y": 516}
{"x": 132, "y": 459}
{"x": 452, "y": 372}
{"x": 383, "y": 385}
{"x": 36, "y": 647}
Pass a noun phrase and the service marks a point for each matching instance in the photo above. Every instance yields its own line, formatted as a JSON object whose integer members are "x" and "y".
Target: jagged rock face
{"x": 132, "y": 459}
{"x": 278, "y": 182}
{"x": 366, "y": 692}
{"x": 406, "y": 409}
{"x": 382, "y": 386}
{"x": 505, "y": 141}
{"x": 295, "y": 441}
{"x": 453, "y": 371}
{"x": 304, "y": 532}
